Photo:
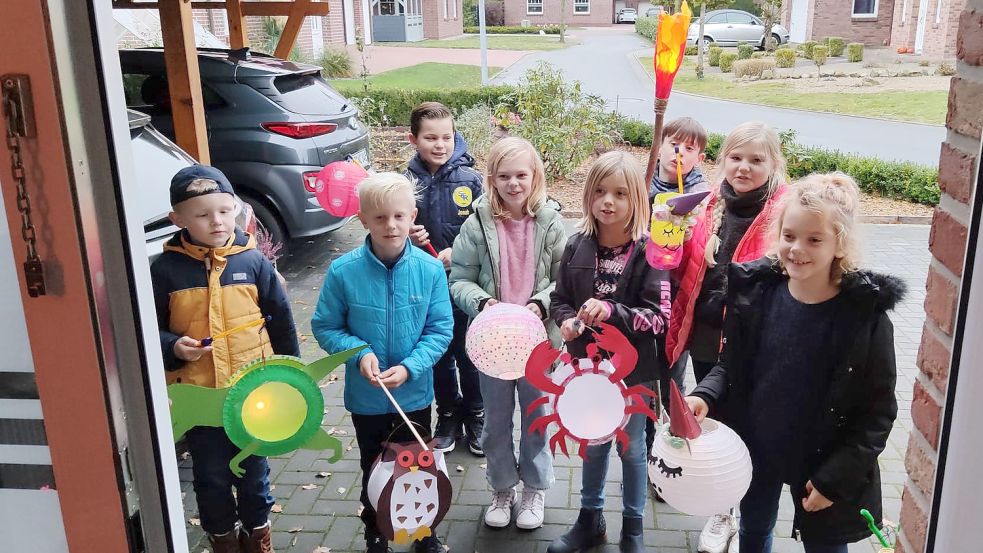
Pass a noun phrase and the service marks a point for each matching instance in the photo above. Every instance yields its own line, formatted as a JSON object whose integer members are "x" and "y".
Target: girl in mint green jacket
{"x": 509, "y": 250}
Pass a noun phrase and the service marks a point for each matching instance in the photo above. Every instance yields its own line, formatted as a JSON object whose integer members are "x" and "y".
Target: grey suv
{"x": 272, "y": 125}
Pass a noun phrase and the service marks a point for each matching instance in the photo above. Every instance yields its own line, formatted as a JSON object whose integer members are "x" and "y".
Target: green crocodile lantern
{"x": 270, "y": 407}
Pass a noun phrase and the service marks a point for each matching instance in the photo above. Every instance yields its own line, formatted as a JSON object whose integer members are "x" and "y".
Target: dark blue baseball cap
{"x": 183, "y": 179}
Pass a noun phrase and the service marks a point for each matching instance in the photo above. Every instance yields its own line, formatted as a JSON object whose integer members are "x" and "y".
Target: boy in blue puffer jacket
{"x": 447, "y": 185}
{"x": 393, "y": 298}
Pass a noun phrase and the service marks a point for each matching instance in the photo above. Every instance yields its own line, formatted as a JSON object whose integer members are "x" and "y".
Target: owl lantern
{"x": 410, "y": 490}
{"x": 336, "y": 187}
{"x": 501, "y": 338}
{"x": 699, "y": 469}
{"x": 664, "y": 249}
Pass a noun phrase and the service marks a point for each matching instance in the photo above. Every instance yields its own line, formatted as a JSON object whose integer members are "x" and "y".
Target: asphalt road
{"x": 604, "y": 63}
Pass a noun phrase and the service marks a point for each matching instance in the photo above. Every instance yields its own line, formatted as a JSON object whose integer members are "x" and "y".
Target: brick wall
{"x": 835, "y": 18}
{"x": 601, "y": 13}
{"x": 333, "y": 25}
{"x": 940, "y": 38}
{"x": 443, "y": 18}
{"x": 947, "y": 243}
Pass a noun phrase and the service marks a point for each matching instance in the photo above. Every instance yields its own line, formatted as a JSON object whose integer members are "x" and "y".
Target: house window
{"x": 904, "y": 13}
{"x": 938, "y": 12}
{"x": 581, "y": 6}
{"x": 864, "y": 8}
{"x": 454, "y": 9}
{"x": 446, "y": 10}
{"x": 534, "y": 6}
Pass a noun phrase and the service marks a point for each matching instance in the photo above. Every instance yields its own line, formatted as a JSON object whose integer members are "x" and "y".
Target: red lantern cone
{"x": 682, "y": 421}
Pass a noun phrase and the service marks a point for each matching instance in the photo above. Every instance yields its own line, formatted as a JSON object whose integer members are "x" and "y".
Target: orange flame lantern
{"x": 670, "y": 45}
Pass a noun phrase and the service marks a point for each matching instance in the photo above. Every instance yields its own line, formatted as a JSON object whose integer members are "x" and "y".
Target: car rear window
{"x": 308, "y": 94}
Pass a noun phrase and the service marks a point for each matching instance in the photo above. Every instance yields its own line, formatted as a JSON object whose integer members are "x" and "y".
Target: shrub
{"x": 691, "y": 50}
{"x": 714, "y": 55}
{"x": 753, "y": 68}
{"x": 855, "y": 52}
{"x": 495, "y": 13}
{"x": 635, "y": 132}
{"x": 807, "y": 47}
{"x": 836, "y": 46}
{"x": 514, "y": 30}
{"x": 785, "y": 57}
{"x": 727, "y": 60}
{"x": 647, "y": 26}
{"x": 392, "y": 107}
{"x": 476, "y": 125}
{"x": 945, "y": 69}
{"x": 744, "y": 51}
{"x": 819, "y": 55}
{"x": 564, "y": 123}
{"x": 336, "y": 63}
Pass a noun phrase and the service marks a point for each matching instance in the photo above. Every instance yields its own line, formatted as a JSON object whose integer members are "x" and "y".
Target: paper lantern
{"x": 410, "y": 490}
{"x": 587, "y": 398}
{"x": 703, "y": 476}
{"x": 270, "y": 407}
{"x": 336, "y": 188}
{"x": 501, "y": 338}
{"x": 664, "y": 248}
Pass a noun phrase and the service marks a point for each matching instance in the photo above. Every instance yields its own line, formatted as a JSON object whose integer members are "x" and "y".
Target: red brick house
{"x": 579, "y": 13}
{"x": 926, "y": 26}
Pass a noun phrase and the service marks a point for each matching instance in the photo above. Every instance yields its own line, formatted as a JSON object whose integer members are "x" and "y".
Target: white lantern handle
{"x": 402, "y": 414}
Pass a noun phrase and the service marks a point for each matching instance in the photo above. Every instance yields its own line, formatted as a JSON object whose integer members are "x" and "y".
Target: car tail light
{"x": 300, "y": 130}
{"x": 310, "y": 179}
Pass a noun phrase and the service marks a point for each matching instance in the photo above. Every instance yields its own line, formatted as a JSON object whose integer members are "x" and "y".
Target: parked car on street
{"x": 733, "y": 27}
{"x": 654, "y": 11}
{"x": 272, "y": 125}
{"x": 627, "y": 15}
{"x": 156, "y": 159}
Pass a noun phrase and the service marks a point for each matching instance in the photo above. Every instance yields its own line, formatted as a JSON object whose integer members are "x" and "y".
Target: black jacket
{"x": 643, "y": 292}
{"x": 857, "y": 413}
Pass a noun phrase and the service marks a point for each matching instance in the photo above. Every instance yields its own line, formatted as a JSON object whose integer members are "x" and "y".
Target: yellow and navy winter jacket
{"x": 200, "y": 292}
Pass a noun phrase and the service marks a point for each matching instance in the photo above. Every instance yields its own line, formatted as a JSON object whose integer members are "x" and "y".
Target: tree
{"x": 563, "y": 18}
{"x": 770, "y": 10}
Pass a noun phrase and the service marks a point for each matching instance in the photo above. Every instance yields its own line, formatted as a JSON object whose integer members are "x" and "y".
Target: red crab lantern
{"x": 587, "y": 397}
{"x": 336, "y": 187}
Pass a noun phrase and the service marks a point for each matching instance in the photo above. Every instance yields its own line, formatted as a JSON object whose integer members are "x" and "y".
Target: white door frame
{"x": 348, "y": 10}
{"x": 920, "y": 30}
{"x": 797, "y": 28}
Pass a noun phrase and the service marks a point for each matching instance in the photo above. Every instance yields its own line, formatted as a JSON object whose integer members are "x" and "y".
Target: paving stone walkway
{"x": 317, "y": 501}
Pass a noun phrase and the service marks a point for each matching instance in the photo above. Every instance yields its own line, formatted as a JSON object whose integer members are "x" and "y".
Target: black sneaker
{"x": 448, "y": 427}
{"x": 429, "y": 544}
{"x": 473, "y": 426}
{"x": 375, "y": 543}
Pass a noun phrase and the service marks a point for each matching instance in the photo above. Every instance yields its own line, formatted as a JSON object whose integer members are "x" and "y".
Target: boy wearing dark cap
{"x": 209, "y": 279}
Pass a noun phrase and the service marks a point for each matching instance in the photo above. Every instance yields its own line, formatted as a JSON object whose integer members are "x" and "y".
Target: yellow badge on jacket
{"x": 462, "y": 196}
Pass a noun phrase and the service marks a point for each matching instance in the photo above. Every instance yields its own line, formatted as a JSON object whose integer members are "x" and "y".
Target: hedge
{"x": 400, "y": 103}
{"x": 647, "y": 26}
{"x": 899, "y": 180}
{"x": 785, "y": 57}
{"x": 727, "y": 60}
{"x": 515, "y": 30}
{"x": 836, "y": 46}
{"x": 753, "y": 67}
{"x": 819, "y": 54}
{"x": 714, "y": 54}
{"x": 855, "y": 52}
{"x": 744, "y": 51}
{"x": 807, "y": 48}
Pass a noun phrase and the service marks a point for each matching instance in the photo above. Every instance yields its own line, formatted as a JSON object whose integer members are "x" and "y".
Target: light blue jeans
{"x": 633, "y": 468}
{"x": 535, "y": 464}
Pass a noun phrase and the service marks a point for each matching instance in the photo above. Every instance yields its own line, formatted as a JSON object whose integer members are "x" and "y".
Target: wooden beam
{"x": 291, "y": 29}
{"x": 248, "y": 8}
{"x": 183, "y": 78}
{"x": 238, "y": 38}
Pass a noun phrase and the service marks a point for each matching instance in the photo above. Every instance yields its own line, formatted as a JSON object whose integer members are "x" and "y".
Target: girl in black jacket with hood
{"x": 807, "y": 373}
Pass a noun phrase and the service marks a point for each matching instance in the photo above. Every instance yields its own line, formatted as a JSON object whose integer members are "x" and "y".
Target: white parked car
{"x": 627, "y": 15}
{"x": 733, "y": 27}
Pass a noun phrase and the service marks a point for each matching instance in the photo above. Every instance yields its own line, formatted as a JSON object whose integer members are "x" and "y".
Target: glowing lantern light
{"x": 336, "y": 188}
{"x": 664, "y": 248}
{"x": 501, "y": 338}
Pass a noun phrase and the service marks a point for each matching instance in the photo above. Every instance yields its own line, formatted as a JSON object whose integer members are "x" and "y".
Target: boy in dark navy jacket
{"x": 447, "y": 184}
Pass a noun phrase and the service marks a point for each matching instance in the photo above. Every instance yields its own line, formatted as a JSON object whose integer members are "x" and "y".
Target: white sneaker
{"x": 531, "y": 509}
{"x": 716, "y": 533}
{"x": 499, "y": 513}
{"x": 735, "y": 544}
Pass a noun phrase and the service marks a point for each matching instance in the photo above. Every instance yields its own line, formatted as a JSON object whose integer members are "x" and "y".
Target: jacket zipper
{"x": 391, "y": 291}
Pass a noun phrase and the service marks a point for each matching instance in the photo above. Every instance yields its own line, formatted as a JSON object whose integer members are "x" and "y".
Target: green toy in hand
{"x": 271, "y": 406}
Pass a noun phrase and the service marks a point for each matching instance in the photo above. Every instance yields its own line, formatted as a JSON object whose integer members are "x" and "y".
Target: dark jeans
{"x": 211, "y": 451}
{"x": 370, "y": 432}
{"x": 446, "y": 375}
{"x": 759, "y": 510}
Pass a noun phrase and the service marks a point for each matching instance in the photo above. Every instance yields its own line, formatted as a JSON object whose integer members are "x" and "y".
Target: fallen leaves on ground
{"x": 309, "y": 487}
{"x": 295, "y": 529}
{"x": 459, "y": 468}
{"x": 194, "y": 521}
{"x": 341, "y": 490}
{"x": 322, "y": 475}
{"x": 321, "y": 549}
{"x": 276, "y": 508}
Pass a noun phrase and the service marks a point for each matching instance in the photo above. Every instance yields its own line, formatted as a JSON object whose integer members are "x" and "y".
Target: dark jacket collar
{"x": 460, "y": 157}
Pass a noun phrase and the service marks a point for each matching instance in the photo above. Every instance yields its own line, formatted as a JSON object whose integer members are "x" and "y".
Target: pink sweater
{"x": 516, "y": 259}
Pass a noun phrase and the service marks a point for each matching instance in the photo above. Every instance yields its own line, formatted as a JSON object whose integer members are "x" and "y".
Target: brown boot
{"x": 259, "y": 541}
{"x": 226, "y": 543}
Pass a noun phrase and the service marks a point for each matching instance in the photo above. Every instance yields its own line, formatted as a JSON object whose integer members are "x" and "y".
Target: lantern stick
{"x": 208, "y": 341}
{"x": 660, "y": 116}
{"x": 679, "y": 169}
{"x": 873, "y": 527}
{"x": 402, "y": 414}
{"x": 430, "y": 249}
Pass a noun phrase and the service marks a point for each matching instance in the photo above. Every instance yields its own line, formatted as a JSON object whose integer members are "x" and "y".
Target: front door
{"x": 920, "y": 30}
{"x": 414, "y": 20}
{"x": 798, "y": 21}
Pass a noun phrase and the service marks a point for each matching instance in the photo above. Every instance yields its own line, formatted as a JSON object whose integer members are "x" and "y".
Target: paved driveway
{"x": 324, "y": 515}
{"x": 604, "y": 63}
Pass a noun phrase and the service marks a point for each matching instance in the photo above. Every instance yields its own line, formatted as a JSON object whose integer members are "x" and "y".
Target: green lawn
{"x": 918, "y": 106}
{"x": 495, "y": 42}
{"x": 424, "y": 75}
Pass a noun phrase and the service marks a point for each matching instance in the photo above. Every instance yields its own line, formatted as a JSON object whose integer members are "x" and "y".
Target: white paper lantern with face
{"x": 501, "y": 338}
{"x": 708, "y": 477}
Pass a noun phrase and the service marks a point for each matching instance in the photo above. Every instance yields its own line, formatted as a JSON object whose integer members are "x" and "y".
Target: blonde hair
{"x": 380, "y": 188}
{"x": 626, "y": 168}
{"x": 762, "y": 137}
{"x": 836, "y": 198}
{"x": 507, "y": 149}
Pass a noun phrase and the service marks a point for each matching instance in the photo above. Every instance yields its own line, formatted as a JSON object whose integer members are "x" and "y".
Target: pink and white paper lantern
{"x": 501, "y": 338}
